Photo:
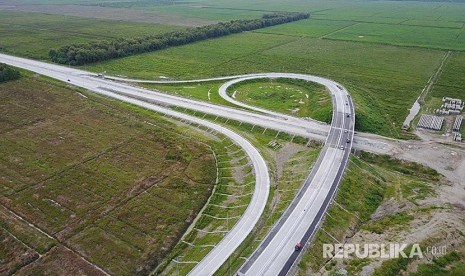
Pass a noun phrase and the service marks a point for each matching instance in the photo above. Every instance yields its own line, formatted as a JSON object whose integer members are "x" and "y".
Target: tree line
{"x": 79, "y": 54}
{"x": 8, "y": 73}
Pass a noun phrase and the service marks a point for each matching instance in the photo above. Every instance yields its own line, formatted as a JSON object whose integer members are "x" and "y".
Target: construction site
{"x": 450, "y": 110}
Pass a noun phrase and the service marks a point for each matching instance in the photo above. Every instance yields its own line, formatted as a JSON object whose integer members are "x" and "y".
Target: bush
{"x": 8, "y": 73}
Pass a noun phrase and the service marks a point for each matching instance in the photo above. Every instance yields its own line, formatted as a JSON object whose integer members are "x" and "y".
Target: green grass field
{"x": 34, "y": 34}
{"x": 93, "y": 176}
{"x": 448, "y": 38}
{"x": 207, "y": 58}
{"x": 451, "y": 83}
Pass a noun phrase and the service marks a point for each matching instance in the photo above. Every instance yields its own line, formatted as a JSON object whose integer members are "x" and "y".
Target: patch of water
{"x": 413, "y": 113}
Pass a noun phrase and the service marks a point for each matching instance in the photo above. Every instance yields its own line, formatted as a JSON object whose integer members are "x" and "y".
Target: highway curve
{"x": 276, "y": 253}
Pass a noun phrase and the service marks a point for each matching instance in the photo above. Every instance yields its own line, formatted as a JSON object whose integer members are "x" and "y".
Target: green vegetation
{"x": 394, "y": 220}
{"x": 394, "y": 266}
{"x": 107, "y": 182}
{"x": 34, "y": 34}
{"x": 359, "y": 194}
{"x": 367, "y": 70}
{"x": 354, "y": 266}
{"x": 422, "y": 13}
{"x": 384, "y": 80}
{"x": 355, "y": 43}
{"x": 294, "y": 97}
{"x": 369, "y": 181}
{"x": 205, "y": 91}
{"x": 110, "y": 49}
{"x": 8, "y": 73}
{"x": 24, "y": 232}
{"x": 222, "y": 211}
{"x": 287, "y": 179}
{"x": 403, "y": 167}
{"x": 447, "y": 38}
{"x": 450, "y": 84}
{"x": 287, "y": 184}
{"x": 449, "y": 264}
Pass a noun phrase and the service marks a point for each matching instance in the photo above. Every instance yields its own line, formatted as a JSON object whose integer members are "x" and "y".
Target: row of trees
{"x": 8, "y": 73}
{"x": 108, "y": 49}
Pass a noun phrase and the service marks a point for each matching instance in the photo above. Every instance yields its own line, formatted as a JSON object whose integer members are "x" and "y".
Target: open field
{"x": 424, "y": 24}
{"x": 231, "y": 196}
{"x": 34, "y": 34}
{"x": 93, "y": 180}
{"x": 405, "y": 12}
{"x": 451, "y": 83}
{"x": 448, "y": 38}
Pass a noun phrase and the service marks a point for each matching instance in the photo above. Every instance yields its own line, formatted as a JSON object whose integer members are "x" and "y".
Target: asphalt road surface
{"x": 276, "y": 254}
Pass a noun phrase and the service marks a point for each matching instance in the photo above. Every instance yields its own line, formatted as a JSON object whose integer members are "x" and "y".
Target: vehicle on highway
{"x": 298, "y": 246}
{"x": 345, "y": 131}
{"x": 348, "y": 140}
{"x": 341, "y": 147}
{"x": 348, "y": 115}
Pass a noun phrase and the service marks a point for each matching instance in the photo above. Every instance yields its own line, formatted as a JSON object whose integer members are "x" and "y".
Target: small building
{"x": 453, "y": 106}
{"x": 457, "y": 123}
{"x": 430, "y": 122}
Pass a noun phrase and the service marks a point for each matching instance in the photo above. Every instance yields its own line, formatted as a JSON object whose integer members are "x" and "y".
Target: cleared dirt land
{"x": 87, "y": 185}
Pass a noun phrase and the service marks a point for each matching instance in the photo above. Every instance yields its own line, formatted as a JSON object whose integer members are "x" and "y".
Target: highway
{"x": 276, "y": 253}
